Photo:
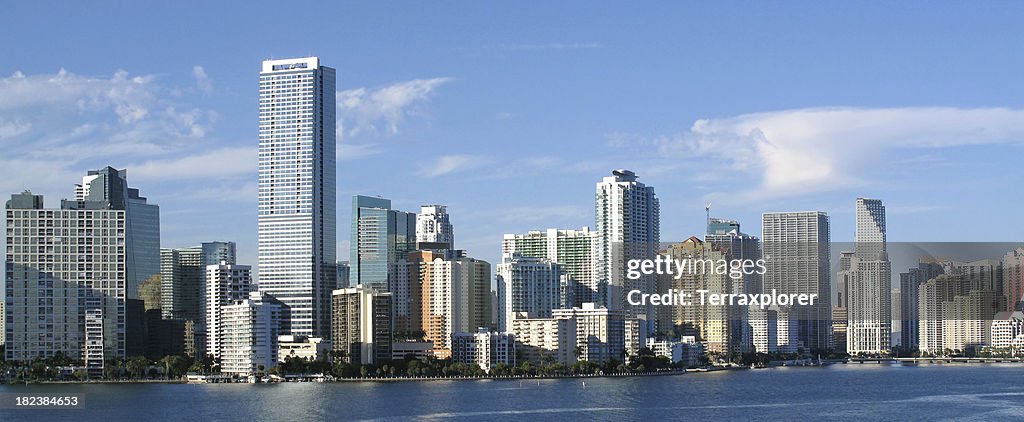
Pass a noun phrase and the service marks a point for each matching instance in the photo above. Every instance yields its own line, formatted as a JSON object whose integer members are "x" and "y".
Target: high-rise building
{"x": 434, "y": 228}
{"x": 183, "y": 277}
{"x": 796, "y": 251}
{"x": 840, "y": 308}
{"x": 250, "y": 328}
{"x": 870, "y": 288}
{"x": 627, "y": 217}
{"x": 226, "y": 284}
{"x": 574, "y": 250}
{"x": 708, "y": 322}
{"x": 726, "y": 236}
{"x": 361, "y": 325}
{"x": 1013, "y": 279}
{"x": 454, "y": 293}
{"x": 108, "y": 188}
{"x": 910, "y": 283}
{"x": 527, "y": 284}
{"x": 297, "y": 191}
{"x": 70, "y": 272}
{"x": 381, "y": 238}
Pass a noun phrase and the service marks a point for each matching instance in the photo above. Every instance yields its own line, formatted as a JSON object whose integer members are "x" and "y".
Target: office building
{"x": 226, "y": 284}
{"x": 381, "y": 238}
{"x": 484, "y": 348}
{"x": 869, "y": 289}
{"x": 574, "y": 250}
{"x": 297, "y": 191}
{"x": 527, "y": 284}
{"x": 725, "y": 235}
{"x": 1013, "y": 279}
{"x": 434, "y": 228}
{"x": 910, "y": 282}
{"x": 627, "y": 217}
{"x": 796, "y": 250}
{"x": 361, "y": 325}
{"x": 249, "y": 333}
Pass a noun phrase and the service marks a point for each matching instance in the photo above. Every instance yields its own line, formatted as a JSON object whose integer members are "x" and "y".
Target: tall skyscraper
{"x": 796, "y": 251}
{"x": 434, "y": 228}
{"x": 297, "y": 191}
{"x": 870, "y": 292}
{"x": 627, "y": 216}
{"x": 381, "y": 238}
{"x": 725, "y": 235}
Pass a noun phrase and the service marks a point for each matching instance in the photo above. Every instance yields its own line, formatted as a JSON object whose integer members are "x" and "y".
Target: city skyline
{"x": 180, "y": 120}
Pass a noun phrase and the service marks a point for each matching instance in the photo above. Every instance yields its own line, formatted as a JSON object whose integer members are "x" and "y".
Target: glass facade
{"x": 297, "y": 191}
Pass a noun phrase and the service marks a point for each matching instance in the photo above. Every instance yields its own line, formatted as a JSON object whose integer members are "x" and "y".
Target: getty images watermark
{"x": 735, "y": 269}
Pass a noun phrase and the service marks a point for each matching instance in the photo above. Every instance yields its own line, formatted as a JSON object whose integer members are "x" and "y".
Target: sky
{"x": 511, "y": 113}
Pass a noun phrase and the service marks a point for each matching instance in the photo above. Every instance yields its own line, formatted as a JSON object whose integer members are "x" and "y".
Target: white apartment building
{"x": 484, "y": 349}
{"x": 226, "y": 284}
{"x": 434, "y": 226}
{"x": 574, "y": 250}
{"x": 796, "y": 250}
{"x": 1007, "y": 328}
{"x": 306, "y": 348}
{"x": 600, "y": 332}
{"x": 249, "y": 332}
{"x": 527, "y": 284}
{"x": 540, "y": 339}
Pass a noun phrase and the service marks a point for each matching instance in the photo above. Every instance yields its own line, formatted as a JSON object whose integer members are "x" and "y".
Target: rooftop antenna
{"x": 707, "y": 217}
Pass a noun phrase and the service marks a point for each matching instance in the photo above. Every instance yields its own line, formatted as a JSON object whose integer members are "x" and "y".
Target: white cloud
{"x": 224, "y": 163}
{"x": 448, "y": 164}
{"x": 803, "y": 151}
{"x": 363, "y": 110}
{"x": 347, "y": 152}
{"x": 203, "y": 80}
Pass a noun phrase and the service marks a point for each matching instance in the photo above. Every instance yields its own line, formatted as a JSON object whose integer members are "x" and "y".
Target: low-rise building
{"x": 545, "y": 339}
{"x": 484, "y": 348}
{"x": 686, "y": 351}
{"x": 1006, "y": 328}
{"x": 421, "y": 350}
{"x": 307, "y": 348}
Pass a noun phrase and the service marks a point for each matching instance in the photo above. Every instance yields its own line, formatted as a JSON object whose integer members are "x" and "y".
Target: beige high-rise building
{"x": 455, "y": 296}
{"x": 709, "y": 323}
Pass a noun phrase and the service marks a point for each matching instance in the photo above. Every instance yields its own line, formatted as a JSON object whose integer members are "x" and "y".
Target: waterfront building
{"x": 540, "y": 340}
{"x": 600, "y": 332}
{"x": 226, "y": 284}
{"x": 484, "y": 348}
{"x": 297, "y": 190}
{"x": 301, "y": 347}
{"x": 249, "y": 330}
{"x": 361, "y": 325}
{"x": 628, "y": 226}
{"x": 687, "y": 351}
{"x": 796, "y": 251}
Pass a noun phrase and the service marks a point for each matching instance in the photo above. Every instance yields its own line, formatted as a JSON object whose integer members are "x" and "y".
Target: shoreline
{"x": 875, "y": 362}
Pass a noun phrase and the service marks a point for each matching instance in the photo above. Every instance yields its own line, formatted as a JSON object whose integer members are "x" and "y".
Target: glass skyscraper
{"x": 381, "y": 237}
{"x": 297, "y": 191}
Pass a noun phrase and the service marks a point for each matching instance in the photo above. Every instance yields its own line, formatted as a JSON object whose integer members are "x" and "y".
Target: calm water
{"x": 841, "y": 391}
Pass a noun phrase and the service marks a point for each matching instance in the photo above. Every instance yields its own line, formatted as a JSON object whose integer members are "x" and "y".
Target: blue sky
{"x": 511, "y": 113}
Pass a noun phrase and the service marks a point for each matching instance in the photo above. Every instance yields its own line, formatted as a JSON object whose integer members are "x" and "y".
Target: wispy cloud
{"x": 203, "y": 81}
{"x": 65, "y": 123}
{"x": 806, "y": 151}
{"x": 216, "y": 164}
{"x": 347, "y": 151}
{"x": 364, "y": 110}
{"x": 448, "y": 164}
